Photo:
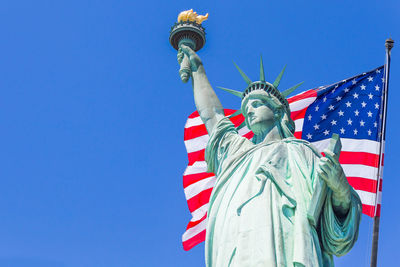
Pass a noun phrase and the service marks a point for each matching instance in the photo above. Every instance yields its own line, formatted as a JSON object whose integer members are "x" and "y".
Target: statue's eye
{"x": 256, "y": 104}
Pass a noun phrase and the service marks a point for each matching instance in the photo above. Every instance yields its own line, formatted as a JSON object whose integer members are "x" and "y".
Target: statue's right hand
{"x": 195, "y": 61}
{"x": 180, "y": 55}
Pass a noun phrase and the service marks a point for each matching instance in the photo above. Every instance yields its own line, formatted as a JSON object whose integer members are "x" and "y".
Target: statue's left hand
{"x": 330, "y": 170}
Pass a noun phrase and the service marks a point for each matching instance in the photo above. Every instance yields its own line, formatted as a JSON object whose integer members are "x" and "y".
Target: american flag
{"x": 351, "y": 108}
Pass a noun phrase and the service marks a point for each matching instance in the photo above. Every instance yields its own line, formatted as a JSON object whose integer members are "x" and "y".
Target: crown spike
{"x": 290, "y": 90}
{"x": 248, "y": 81}
{"x": 278, "y": 79}
{"x": 262, "y": 76}
{"x": 233, "y": 92}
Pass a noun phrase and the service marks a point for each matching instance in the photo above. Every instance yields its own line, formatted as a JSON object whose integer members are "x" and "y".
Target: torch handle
{"x": 185, "y": 71}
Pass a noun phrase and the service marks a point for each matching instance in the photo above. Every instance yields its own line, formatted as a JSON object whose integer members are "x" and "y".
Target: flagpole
{"x": 375, "y": 235}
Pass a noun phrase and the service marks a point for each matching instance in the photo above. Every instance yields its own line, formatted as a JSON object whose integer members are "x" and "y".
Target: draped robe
{"x": 258, "y": 207}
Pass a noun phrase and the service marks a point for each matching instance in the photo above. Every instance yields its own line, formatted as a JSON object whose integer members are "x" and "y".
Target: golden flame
{"x": 189, "y": 15}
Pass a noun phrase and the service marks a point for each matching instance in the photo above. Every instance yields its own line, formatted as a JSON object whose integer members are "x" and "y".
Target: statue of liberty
{"x": 258, "y": 207}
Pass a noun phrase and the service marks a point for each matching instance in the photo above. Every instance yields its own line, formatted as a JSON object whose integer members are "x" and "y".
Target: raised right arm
{"x": 207, "y": 102}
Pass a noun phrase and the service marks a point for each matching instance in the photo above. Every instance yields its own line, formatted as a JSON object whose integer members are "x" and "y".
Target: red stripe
{"x": 378, "y": 210}
{"x": 309, "y": 93}
{"x": 228, "y": 111}
{"x": 363, "y": 184}
{"x": 197, "y": 239}
{"x": 194, "y": 131}
{"x": 298, "y": 135}
{"x": 196, "y": 156}
{"x": 368, "y": 210}
{"x": 193, "y": 224}
{"x": 194, "y": 115}
{"x": 249, "y": 135}
{"x": 237, "y": 120}
{"x": 199, "y": 200}
{"x": 193, "y": 178}
{"x": 363, "y": 158}
{"x": 295, "y": 115}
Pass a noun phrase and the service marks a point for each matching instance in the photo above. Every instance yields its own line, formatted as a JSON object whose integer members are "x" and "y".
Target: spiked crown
{"x": 271, "y": 89}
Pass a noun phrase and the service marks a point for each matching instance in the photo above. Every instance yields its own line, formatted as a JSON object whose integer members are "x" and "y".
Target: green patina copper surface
{"x": 258, "y": 213}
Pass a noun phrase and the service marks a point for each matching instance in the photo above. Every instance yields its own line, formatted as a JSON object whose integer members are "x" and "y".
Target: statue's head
{"x": 263, "y": 106}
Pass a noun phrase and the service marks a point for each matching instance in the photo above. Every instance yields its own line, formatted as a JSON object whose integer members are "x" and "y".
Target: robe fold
{"x": 258, "y": 207}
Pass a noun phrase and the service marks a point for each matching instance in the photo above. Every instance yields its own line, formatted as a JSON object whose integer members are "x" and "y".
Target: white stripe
{"x": 197, "y": 167}
{"x": 193, "y": 122}
{"x": 191, "y": 232}
{"x": 358, "y": 170}
{"x": 301, "y": 104}
{"x": 197, "y": 143}
{"x": 243, "y": 131}
{"x": 367, "y": 198}
{"x": 199, "y": 186}
{"x": 299, "y": 125}
{"x": 351, "y": 145}
{"x": 199, "y": 213}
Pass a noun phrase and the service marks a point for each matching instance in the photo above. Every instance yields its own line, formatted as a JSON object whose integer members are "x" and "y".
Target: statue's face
{"x": 260, "y": 116}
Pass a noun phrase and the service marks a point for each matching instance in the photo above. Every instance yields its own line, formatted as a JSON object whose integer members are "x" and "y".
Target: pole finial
{"x": 389, "y": 43}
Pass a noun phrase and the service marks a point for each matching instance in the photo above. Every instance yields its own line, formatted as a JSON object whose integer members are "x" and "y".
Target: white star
{"x": 354, "y": 81}
{"x": 362, "y": 123}
{"x": 325, "y": 99}
{"x": 333, "y": 122}
{"x": 378, "y": 71}
{"x": 375, "y": 124}
{"x": 370, "y": 78}
{"x": 342, "y": 130}
{"x": 383, "y": 80}
{"x": 356, "y": 112}
{"x": 355, "y": 131}
{"x": 309, "y": 136}
{"x": 369, "y": 114}
{"x": 377, "y": 88}
{"x": 346, "y": 90}
{"x": 326, "y": 132}
{"x": 331, "y": 107}
{"x": 349, "y": 122}
{"x": 316, "y": 127}
{"x": 338, "y": 98}
{"x": 376, "y": 105}
{"x": 370, "y": 96}
{"x": 341, "y": 113}
{"x": 348, "y": 104}
{"x": 323, "y": 117}
{"x": 363, "y": 87}
{"x": 309, "y": 117}
{"x": 369, "y": 132}
{"x": 355, "y": 95}
{"x": 316, "y": 108}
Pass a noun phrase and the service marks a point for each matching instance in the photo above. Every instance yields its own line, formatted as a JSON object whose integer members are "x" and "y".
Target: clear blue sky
{"x": 92, "y": 112}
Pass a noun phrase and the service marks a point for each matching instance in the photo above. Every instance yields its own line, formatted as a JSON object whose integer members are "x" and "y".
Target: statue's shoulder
{"x": 301, "y": 145}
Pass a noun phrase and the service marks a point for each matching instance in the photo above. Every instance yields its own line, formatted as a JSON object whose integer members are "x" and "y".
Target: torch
{"x": 188, "y": 31}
